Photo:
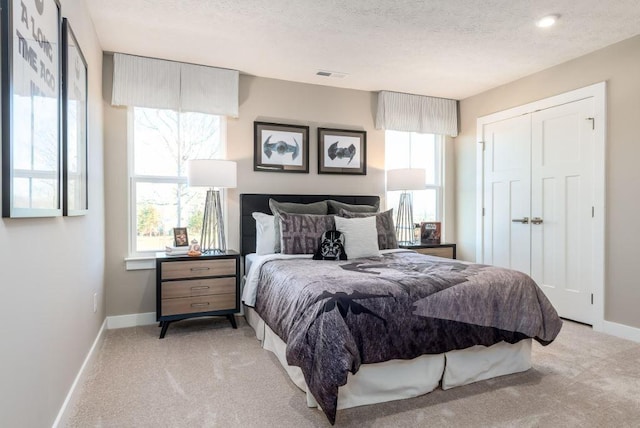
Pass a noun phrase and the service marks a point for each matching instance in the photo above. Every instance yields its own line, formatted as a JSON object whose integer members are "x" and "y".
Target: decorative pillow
{"x": 265, "y": 233}
{"x": 331, "y": 246}
{"x": 316, "y": 208}
{"x": 361, "y": 236}
{"x": 335, "y": 207}
{"x": 387, "y": 239}
{"x": 301, "y": 233}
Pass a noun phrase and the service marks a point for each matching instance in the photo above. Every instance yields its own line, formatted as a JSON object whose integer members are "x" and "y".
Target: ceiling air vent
{"x": 334, "y": 74}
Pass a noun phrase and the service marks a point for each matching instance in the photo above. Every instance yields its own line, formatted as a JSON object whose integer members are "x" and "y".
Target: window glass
{"x": 163, "y": 140}
{"x": 414, "y": 150}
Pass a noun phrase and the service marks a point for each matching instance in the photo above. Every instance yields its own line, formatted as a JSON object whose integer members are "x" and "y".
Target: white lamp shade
{"x": 211, "y": 173}
{"x": 406, "y": 179}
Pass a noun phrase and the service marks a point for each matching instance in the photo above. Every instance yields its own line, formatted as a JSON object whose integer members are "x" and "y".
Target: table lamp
{"x": 214, "y": 174}
{"x": 405, "y": 179}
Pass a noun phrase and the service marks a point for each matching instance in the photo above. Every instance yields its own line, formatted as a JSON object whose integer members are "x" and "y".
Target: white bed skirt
{"x": 399, "y": 379}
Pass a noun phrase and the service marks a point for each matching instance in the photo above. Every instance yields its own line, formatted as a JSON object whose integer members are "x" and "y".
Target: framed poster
{"x": 74, "y": 125}
{"x": 341, "y": 151}
{"x": 430, "y": 232}
{"x": 31, "y": 101}
{"x": 280, "y": 148}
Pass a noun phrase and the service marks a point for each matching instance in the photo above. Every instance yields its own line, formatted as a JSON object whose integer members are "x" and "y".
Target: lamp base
{"x": 212, "y": 239}
{"x": 404, "y": 220}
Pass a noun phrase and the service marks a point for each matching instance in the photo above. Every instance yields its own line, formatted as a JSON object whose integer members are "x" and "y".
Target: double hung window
{"x": 160, "y": 143}
{"x": 415, "y": 150}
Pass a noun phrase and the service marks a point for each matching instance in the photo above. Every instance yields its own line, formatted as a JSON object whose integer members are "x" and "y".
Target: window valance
{"x": 155, "y": 83}
{"x": 416, "y": 113}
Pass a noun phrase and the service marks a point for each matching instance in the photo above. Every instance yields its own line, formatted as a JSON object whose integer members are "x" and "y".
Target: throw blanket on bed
{"x": 336, "y": 315}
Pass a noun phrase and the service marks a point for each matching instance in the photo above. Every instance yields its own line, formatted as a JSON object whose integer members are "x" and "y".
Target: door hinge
{"x": 482, "y": 212}
{"x": 481, "y": 142}
{"x": 592, "y": 298}
{"x": 593, "y": 212}
{"x": 593, "y": 122}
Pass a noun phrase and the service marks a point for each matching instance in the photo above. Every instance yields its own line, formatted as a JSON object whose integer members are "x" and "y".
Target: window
{"x": 161, "y": 141}
{"x": 414, "y": 150}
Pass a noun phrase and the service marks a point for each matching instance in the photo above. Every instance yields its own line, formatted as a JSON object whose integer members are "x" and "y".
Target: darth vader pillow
{"x": 331, "y": 246}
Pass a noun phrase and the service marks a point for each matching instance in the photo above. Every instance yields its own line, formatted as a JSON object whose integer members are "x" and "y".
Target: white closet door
{"x": 562, "y": 198}
{"x": 507, "y": 197}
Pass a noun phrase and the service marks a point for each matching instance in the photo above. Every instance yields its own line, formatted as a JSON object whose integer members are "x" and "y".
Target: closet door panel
{"x": 562, "y": 197}
{"x": 507, "y": 187}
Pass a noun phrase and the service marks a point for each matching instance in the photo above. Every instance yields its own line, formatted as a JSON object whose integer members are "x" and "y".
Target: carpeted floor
{"x": 205, "y": 374}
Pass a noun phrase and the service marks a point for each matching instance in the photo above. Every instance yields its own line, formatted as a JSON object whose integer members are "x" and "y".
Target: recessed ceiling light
{"x": 547, "y": 21}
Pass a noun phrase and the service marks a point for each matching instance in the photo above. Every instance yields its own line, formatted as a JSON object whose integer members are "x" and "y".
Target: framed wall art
{"x": 31, "y": 108}
{"x": 341, "y": 151}
{"x": 280, "y": 148}
{"x": 74, "y": 125}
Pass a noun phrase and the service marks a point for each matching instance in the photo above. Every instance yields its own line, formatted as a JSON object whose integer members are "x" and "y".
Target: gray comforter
{"x": 336, "y": 315}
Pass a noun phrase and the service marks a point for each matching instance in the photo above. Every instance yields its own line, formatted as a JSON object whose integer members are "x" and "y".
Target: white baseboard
{"x": 621, "y": 330}
{"x": 131, "y": 320}
{"x": 61, "y": 419}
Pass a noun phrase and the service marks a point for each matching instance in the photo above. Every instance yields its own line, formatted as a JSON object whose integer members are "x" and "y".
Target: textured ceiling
{"x": 443, "y": 48}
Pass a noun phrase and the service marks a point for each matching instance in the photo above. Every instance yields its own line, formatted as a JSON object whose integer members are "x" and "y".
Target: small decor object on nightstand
{"x": 430, "y": 232}
{"x": 194, "y": 249}
{"x": 180, "y": 238}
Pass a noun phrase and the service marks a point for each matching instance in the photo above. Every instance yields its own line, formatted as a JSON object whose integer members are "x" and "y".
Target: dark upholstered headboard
{"x": 258, "y": 202}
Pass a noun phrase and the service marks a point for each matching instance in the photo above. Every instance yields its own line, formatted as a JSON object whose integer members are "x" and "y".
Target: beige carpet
{"x": 205, "y": 374}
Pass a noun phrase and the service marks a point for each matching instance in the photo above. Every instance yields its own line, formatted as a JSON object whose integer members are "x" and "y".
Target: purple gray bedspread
{"x": 336, "y": 315}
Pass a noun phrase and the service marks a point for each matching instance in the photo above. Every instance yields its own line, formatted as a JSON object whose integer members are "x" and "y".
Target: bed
{"x": 387, "y": 327}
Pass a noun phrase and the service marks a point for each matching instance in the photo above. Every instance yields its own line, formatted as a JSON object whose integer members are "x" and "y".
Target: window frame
{"x": 135, "y": 257}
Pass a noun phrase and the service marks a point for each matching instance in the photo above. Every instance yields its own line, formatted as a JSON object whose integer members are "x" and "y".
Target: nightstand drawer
{"x": 190, "y": 305}
{"x": 198, "y": 268}
{"x": 439, "y": 252}
{"x": 198, "y": 287}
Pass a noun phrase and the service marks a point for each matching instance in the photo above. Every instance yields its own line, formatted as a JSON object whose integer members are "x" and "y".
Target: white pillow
{"x": 265, "y": 233}
{"x": 360, "y": 236}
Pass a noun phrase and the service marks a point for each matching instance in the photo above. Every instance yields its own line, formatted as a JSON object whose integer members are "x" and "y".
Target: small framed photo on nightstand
{"x": 430, "y": 232}
{"x": 180, "y": 238}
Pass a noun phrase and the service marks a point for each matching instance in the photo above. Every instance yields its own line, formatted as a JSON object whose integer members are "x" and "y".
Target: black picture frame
{"x": 75, "y": 192}
{"x": 31, "y": 108}
{"x": 342, "y": 151}
{"x": 180, "y": 237}
{"x": 280, "y": 148}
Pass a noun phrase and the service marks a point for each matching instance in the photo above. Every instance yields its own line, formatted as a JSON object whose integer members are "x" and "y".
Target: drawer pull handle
{"x": 199, "y": 268}
{"x": 202, "y": 287}
{"x": 199, "y": 305}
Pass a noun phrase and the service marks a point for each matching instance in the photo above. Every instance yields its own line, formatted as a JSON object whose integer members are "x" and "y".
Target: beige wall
{"x": 51, "y": 267}
{"x": 619, "y": 66}
{"x": 261, "y": 99}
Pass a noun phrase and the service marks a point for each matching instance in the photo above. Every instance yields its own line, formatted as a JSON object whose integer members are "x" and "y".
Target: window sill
{"x": 140, "y": 263}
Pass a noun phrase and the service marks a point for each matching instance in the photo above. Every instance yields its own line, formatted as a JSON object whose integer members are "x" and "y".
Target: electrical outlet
{"x": 95, "y": 302}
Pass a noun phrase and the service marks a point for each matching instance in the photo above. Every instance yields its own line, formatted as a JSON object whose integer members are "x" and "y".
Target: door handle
{"x": 536, "y": 220}
{"x": 524, "y": 220}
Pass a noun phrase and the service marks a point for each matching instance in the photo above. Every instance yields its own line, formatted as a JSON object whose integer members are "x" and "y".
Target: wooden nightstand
{"x": 440, "y": 250}
{"x": 188, "y": 287}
